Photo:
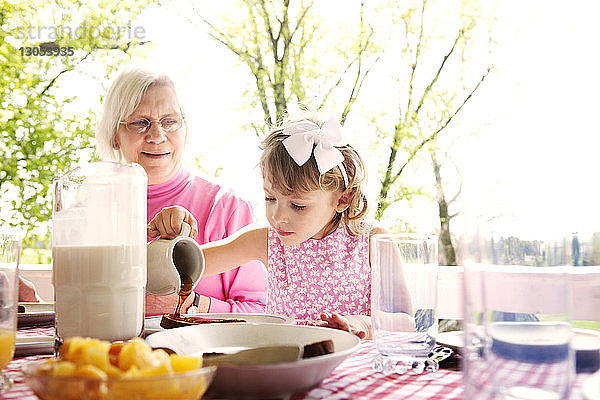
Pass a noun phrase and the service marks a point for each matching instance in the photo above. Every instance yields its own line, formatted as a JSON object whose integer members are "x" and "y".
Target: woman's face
{"x": 159, "y": 152}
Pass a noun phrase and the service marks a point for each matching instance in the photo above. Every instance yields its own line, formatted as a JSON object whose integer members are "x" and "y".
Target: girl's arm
{"x": 219, "y": 256}
{"x": 249, "y": 243}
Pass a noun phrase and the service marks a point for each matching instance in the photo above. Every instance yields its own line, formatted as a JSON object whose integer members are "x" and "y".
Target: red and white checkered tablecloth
{"x": 35, "y": 331}
{"x": 353, "y": 379}
{"x": 19, "y": 390}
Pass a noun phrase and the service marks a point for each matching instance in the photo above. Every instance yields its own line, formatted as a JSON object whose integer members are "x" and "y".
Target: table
{"x": 353, "y": 379}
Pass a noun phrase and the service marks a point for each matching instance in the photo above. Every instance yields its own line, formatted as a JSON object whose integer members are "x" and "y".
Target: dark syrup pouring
{"x": 184, "y": 291}
{"x": 187, "y": 284}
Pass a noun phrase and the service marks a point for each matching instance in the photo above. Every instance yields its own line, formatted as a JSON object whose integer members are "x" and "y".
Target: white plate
{"x": 152, "y": 324}
{"x": 453, "y": 339}
{"x": 266, "y": 380}
{"x": 591, "y": 387}
{"x": 28, "y": 346}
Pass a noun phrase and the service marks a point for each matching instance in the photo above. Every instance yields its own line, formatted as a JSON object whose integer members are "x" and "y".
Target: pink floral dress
{"x": 332, "y": 274}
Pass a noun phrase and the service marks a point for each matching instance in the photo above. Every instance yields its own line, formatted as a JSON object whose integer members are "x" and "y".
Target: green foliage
{"x": 40, "y": 136}
{"x": 36, "y": 256}
{"x": 293, "y": 55}
{"x": 296, "y": 51}
{"x": 438, "y": 74}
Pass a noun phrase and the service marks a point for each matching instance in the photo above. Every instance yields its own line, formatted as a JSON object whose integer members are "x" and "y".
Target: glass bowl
{"x": 189, "y": 385}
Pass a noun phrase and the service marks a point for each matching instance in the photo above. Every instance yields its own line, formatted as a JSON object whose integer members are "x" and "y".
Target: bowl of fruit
{"x": 91, "y": 369}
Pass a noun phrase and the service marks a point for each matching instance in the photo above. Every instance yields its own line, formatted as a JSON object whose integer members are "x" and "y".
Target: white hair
{"x": 123, "y": 97}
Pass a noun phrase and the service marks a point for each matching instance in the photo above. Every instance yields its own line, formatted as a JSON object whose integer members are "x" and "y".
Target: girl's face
{"x": 297, "y": 218}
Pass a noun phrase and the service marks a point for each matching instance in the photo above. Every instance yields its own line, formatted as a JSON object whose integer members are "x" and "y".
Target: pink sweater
{"x": 219, "y": 213}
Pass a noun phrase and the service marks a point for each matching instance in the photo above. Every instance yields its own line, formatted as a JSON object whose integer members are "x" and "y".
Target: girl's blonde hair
{"x": 288, "y": 177}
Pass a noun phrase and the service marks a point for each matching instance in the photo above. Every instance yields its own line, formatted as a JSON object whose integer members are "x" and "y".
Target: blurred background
{"x": 479, "y": 107}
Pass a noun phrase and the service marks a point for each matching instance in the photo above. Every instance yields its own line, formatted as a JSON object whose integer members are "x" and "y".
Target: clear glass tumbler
{"x": 404, "y": 301}
{"x": 10, "y": 248}
{"x": 517, "y": 320}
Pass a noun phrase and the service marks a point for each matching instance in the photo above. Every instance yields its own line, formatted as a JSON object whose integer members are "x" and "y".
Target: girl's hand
{"x": 167, "y": 223}
{"x": 357, "y": 324}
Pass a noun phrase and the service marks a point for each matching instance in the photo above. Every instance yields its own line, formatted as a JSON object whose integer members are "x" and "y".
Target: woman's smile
{"x": 155, "y": 154}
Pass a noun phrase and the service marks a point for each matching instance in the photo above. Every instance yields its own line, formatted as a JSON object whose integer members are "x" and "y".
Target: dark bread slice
{"x": 318, "y": 349}
{"x": 169, "y": 321}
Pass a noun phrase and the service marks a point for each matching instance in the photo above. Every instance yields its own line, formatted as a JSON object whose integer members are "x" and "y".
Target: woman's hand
{"x": 161, "y": 304}
{"x": 167, "y": 304}
{"x": 360, "y": 325}
{"x": 167, "y": 223}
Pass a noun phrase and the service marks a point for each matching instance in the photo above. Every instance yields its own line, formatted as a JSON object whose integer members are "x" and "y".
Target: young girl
{"x": 316, "y": 248}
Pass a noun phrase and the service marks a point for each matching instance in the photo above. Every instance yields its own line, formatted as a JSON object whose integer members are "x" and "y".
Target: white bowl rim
{"x": 304, "y": 361}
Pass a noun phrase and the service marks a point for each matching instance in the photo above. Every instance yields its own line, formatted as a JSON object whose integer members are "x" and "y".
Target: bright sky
{"x": 538, "y": 157}
{"x": 534, "y": 156}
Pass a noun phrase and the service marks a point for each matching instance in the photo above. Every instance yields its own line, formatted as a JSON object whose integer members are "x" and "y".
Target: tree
{"x": 431, "y": 106}
{"x": 41, "y": 136}
{"x": 447, "y": 251}
{"x": 281, "y": 43}
{"x": 431, "y": 99}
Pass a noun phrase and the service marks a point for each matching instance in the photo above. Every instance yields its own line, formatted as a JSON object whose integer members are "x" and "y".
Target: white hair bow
{"x": 305, "y": 134}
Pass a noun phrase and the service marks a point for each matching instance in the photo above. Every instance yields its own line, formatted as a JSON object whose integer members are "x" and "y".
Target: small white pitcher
{"x": 169, "y": 260}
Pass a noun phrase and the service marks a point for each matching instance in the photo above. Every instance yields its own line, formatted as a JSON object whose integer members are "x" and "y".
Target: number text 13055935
{"x": 46, "y": 51}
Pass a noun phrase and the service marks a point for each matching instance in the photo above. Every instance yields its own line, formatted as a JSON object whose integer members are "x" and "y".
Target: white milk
{"x": 99, "y": 290}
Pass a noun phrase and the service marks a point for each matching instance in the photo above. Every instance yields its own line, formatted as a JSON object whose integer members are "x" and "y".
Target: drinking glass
{"x": 10, "y": 247}
{"x": 404, "y": 301}
{"x": 517, "y": 318}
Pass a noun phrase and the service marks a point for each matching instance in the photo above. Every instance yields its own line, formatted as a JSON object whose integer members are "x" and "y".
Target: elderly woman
{"x": 143, "y": 122}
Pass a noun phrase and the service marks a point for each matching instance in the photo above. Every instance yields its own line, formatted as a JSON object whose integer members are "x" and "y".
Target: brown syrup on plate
{"x": 176, "y": 319}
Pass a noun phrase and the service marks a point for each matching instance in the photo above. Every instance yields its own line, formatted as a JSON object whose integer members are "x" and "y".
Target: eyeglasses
{"x": 168, "y": 124}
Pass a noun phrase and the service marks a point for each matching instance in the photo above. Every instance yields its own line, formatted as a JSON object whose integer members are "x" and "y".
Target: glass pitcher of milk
{"x": 99, "y": 251}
